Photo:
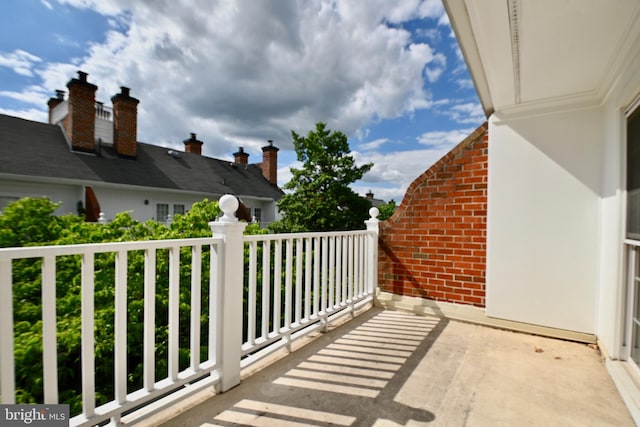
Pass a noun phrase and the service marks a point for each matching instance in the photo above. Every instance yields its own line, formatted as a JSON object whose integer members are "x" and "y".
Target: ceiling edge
{"x": 623, "y": 55}
{"x": 461, "y": 25}
{"x": 581, "y": 101}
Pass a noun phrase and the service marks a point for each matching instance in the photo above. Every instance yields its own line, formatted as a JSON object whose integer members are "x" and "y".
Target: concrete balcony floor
{"x": 391, "y": 368}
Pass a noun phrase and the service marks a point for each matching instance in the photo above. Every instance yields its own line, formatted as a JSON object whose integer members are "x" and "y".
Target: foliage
{"x": 320, "y": 198}
{"x": 31, "y": 222}
{"x": 386, "y": 210}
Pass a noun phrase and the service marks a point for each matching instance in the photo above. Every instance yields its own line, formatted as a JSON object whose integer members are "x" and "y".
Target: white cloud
{"x": 432, "y": 9}
{"x": 465, "y": 84}
{"x": 435, "y": 71}
{"x": 34, "y": 114}
{"x": 243, "y": 72}
{"x": 432, "y": 34}
{"x": 32, "y": 95}
{"x": 373, "y": 145}
{"x": 447, "y": 139}
{"x": 393, "y": 172}
{"x": 467, "y": 113}
{"x": 239, "y": 73}
{"x": 20, "y": 61}
{"x": 104, "y": 7}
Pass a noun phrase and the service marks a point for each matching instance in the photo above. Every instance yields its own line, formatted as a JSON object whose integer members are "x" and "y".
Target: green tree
{"x": 29, "y": 222}
{"x": 386, "y": 210}
{"x": 320, "y": 198}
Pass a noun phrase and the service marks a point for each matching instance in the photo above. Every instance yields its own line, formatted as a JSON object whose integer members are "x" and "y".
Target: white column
{"x": 229, "y": 304}
{"x": 372, "y": 251}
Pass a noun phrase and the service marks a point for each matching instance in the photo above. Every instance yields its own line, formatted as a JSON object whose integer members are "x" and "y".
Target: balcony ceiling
{"x": 523, "y": 53}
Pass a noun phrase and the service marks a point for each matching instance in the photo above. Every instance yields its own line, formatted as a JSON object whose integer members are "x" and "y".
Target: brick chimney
{"x": 241, "y": 157}
{"x": 125, "y": 124}
{"x": 193, "y": 145}
{"x": 370, "y": 195}
{"x": 270, "y": 162}
{"x": 80, "y": 122}
{"x": 54, "y": 102}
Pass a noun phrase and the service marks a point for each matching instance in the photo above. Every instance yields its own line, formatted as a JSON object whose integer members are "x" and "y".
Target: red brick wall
{"x": 434, "y": 246}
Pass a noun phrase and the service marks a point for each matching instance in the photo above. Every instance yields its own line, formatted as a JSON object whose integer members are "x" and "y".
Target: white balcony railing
{"x": 291, "y": 285}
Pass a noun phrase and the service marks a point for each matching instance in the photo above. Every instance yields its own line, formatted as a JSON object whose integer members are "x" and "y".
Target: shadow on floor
{"x": 348, "y": 376}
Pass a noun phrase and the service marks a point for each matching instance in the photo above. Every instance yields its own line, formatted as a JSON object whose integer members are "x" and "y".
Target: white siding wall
{"x": 114, "y": 200}
{"x": 544, "y": 218}
{"x": 67, "y": 194}
{"x": 104, "y": 130}
{"x": 557, "y": 215}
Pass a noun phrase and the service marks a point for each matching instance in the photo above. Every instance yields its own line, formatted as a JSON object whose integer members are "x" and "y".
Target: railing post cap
{"x": 374, "y": 212}
{"x": 228, "y": 205}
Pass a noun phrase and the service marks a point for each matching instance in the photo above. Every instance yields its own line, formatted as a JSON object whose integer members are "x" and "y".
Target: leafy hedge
{"x": 31, "y": 222}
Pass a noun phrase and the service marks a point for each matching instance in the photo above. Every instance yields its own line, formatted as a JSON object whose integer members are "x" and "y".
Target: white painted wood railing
{"x": 290, "y": 285}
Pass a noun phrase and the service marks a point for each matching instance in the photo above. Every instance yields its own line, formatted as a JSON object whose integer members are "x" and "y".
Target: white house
{"x": 88, "y": 158}
{"x": 560, "y": 84}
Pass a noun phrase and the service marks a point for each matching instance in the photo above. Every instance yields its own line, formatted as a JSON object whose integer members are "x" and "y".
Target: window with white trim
{"x": 178, "y": 210}
{"x": 633, "y": 175}
{"x": 162, "y": 212}
{"x": 632, "y": 319}
{"x": 257, "y": 215}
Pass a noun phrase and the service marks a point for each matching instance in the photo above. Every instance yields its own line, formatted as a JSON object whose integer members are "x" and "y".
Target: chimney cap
{"x": 60, "y": 94}
{"x": 192, "y": 139}
{"x": 81, "y": 81}
{"x": 124, "y": 95}
{"x": 241, "y": 153}
{"x": 270, "y": 147}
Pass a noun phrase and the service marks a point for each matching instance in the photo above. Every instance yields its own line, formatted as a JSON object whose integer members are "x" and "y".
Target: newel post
{"x": 372, "y": 250}
{"x": 228, "y": 284}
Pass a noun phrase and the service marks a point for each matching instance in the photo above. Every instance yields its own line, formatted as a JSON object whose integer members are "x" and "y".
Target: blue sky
{"x": 388, "y": 74}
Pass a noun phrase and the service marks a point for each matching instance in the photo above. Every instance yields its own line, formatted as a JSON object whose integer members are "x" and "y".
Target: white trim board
{"x": 471, "y": 314}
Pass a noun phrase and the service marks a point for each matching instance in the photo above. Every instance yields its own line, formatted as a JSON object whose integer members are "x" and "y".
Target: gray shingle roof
{"x": 40, "y": 150}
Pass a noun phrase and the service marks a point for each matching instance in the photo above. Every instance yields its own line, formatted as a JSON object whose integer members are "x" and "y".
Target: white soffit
{"x": 489, "y": 21}
{"x": 538, "y": 51}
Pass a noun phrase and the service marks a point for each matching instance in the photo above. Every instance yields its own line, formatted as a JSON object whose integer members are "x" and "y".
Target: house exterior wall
{"x": 104, "y": 130}
{"x": 543, "y": 230}
{"x": 269, "y": 209}
{"x": 67, "y": 194}
{"x": 434, "y": 246}
{"x": 115, "y": 199}
{"x": 141, "y": 203}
